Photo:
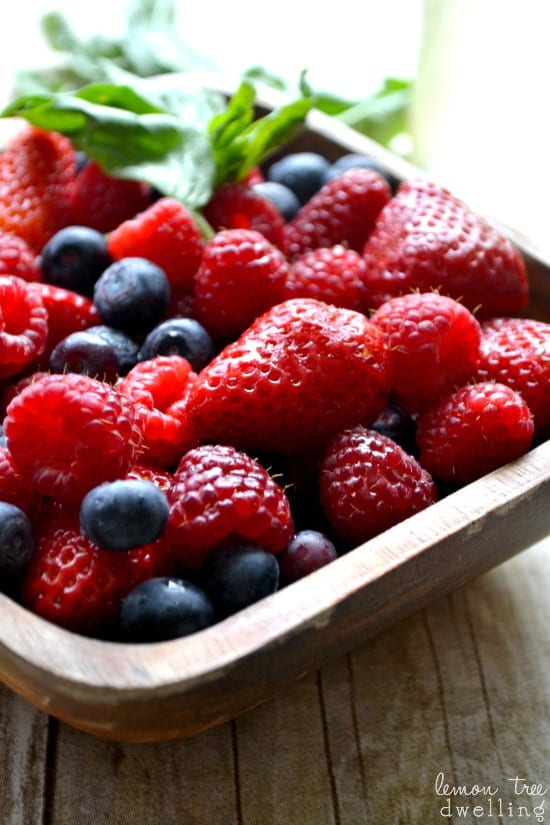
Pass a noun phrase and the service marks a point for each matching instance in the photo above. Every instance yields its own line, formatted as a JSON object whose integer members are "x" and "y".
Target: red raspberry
{"x": 68, "y": 312}
{"x": 474, "y": 430}
{"x": 37, "y": 170}
{"x": 103, "y": 202}
{"x": 426, "y": 238}
{"x": 23, "y": 325}
{"x": 343, "y": 211}
{"x": 301, "y": 372}
{"x": 241, "y": 275}
{"x": 333, "y": 274}
{"x": 368, "y": 483}
{"x": 516, "y": 352}
{"x": 67, "y": 433}
{"x": 162, "y": 478}
{"x": 75, "y": 584}
{"x": 159, "y": 389}
{"x": 14, "y": 489}
{"x": 236, "y": 206}
{"x": 435, "y": 346}
{"x": 17, "y": 258}
{"x": 221, "y": 493}
{"x": 167, "y": 234}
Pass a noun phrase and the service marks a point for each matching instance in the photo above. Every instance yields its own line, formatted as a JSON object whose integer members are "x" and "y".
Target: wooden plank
{"x": 24, "y": 737}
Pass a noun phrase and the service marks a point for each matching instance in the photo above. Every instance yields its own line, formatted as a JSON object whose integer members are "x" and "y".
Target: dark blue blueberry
{"x": 164, "y": 608}
{"x": 354, "y": 161}
{"x": 239, "y": 574}
{"x": 308, "y": 550}
{"x": 124, "y": 514}
{"x": 74, "y": 258}
{"x": 302, "y": 172}
{"x": 132, "y": 295}
{"x": 398, "y": 425}
{"x": 16, "y": 540}
{"x": 87, "y": 353}
{"x": 125, "y": 347}
{"x": 280, "y": 196}
{"x": 179, "y": 336}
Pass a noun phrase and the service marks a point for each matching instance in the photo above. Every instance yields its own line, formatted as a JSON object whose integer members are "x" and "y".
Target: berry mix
{"x": 192, "y": 421}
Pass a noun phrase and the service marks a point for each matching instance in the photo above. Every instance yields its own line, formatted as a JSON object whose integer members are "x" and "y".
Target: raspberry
{"x": 236, "y": 206}
{"x": 425, "y": 238}
{"x": 301, "y": 372}
{"x": 516, "y": 352}
{"x": 474, "y": 430}
{"x": 68, "y": 433}
{"x": 241, "y": 275}
{"x": 73, "y": 583}
{"x": 37, "y": 170}
{"x": 102, "y": 202}
{"x": 159, "y": 389}
{"x": 167, "y": 235}
{"x": 14, "y": 489}
{"x": 343, "y": 211}
{"x": 67, "y": 312}
{"x": 368, "y": 483}
{"x": 435, "y": 346}
{"x": 17, "y": 258}
{"x": 23, "y": 325}
{"x": 221, "y": 493}
{"x": 331, "y": 274}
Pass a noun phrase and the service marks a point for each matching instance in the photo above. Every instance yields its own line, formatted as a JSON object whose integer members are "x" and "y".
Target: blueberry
{"x": 132, "y": 295}
{"x": 398, "y": 425}
{"x": 302, "y": 172}
{"x": 87, "y": 353}
{"x": 74, "y": 258}
{"x": 280, "y": 195}
{"x": 354, "y": 161}
{"x": 179, "y": 336}
{"x": 164, "y": 608}
{"x": 125, "y": 347}
{"x": 124, "y": 514}
{"x": 308, "y": 550}
{"x": 16, "y": 540}
{"x": 239, "y": 574}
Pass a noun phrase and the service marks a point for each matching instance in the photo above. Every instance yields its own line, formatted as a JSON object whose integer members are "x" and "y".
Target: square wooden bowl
{"x": 174, "y": 689}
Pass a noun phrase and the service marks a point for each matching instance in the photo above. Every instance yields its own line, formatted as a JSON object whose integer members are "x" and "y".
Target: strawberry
{"x": 240, "y": 276}
{"x": 343, "y": 211}
{"x": 103, "y": 202}
{"x": 426, "y": 238}
{"x": 165, "y": 233}
{"x": 301, "y": 372}
{"x": 37, "y": 170}
{"x": 73, "y": 583}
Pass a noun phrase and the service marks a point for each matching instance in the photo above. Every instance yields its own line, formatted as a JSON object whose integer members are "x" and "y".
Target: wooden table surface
{"x": 460, "y": 690}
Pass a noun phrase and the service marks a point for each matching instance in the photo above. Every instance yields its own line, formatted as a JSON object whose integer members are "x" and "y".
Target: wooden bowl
{"x": 174, "y": 689}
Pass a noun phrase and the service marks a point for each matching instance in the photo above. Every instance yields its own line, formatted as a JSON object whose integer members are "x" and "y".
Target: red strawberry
{"x": 435, "y": 346}
{"x": 516, "y": 352}
{"x": 237, "y": 206}
{"x": 426, "y": 238}
{"x": 343, "y": 211}
{"x": 474, "y": 430}
{"x": 220, "y": 493}
{"x": 37, "y": 170}
{"x": 167, "y": 234}
{"x": 301, "y": 372}
{"x": 75, "y": 584}
{"x": 17, "y": 258}
{"x": 333, "y": 274}
{"x": 241, "y": 275}
{"x": 103, "y": 202}
{"x": 368, "y": 483}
